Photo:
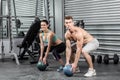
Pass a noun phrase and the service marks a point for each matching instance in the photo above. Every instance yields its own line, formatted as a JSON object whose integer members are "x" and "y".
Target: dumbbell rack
{"x": 106, "y": 59}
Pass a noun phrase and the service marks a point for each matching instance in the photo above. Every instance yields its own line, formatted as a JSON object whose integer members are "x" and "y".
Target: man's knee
{"x": 84, "y": 51}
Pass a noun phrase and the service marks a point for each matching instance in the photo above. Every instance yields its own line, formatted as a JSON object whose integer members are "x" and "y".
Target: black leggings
{"x": 56, "y": 50}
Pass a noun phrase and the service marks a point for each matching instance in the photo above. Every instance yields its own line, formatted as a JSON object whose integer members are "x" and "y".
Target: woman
{"x": 50, "y": 42}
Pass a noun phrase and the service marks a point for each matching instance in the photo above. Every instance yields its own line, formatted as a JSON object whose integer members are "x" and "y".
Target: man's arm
{"x": 68, "y": 49}
{"x": 79, "y": 45}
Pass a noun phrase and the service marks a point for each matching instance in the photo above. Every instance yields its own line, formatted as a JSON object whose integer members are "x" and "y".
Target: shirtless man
{"x": 85, "y": 43}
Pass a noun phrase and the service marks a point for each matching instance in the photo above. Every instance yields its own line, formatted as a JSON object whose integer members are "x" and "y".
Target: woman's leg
{"x": 57, "y": 57}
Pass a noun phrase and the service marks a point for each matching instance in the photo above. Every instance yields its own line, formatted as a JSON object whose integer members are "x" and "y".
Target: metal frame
{"x": 15, "y": 16}
{"x": 1, "y": 26}
{"x": 9, "y": 21}
{"x": 36, "y": 8}
{"x": 46, "y": 9}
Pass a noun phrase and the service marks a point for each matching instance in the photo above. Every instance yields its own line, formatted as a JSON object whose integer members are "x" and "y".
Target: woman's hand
{"x": 67, "y": 64}
{"x": 44, "y": 60}
{"x": 40, "y": 59}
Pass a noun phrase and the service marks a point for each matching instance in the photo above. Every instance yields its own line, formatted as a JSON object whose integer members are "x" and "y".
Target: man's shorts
{"x": 91, "y": 46}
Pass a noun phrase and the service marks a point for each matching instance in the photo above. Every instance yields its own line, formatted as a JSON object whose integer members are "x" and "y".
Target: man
{"x": 85, "y": 43}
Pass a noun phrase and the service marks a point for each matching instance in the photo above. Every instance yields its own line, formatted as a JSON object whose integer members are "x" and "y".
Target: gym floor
{"x": 26, "y": 71}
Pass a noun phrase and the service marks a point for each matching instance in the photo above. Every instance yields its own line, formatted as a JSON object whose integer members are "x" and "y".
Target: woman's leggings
{"x": 56, "y": 50}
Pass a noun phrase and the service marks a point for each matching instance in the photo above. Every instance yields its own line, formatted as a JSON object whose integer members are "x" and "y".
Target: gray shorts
{"x": 91, "y": 46}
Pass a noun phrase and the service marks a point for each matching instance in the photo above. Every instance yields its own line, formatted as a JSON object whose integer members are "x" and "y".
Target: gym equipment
{"x": 99, "y": 59}
{"x": 41, "y": 66}
{"x": 80, "y": 23}
{"x": 115, "y": 59}
{"x": 31, "y": 34}
{"x": 18, "y": 23}
{"x": 93, "y": 58}
{"x": 106, "y": 59}
{"x": 21, "y": 34}
{"x": 29, "y": 38}
{"x": 68, "y": 70}
{"x": 10, "y": 40}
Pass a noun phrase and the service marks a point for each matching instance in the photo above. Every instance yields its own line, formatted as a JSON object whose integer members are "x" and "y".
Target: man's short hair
{"x": 69, "y": 17}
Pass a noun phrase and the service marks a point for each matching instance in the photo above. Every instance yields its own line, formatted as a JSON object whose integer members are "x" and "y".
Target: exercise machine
{"x": 29, "y": 39}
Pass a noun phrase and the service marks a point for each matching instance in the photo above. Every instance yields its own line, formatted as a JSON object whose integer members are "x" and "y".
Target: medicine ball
{"x": 41, "y": 66}
{"x": 68, "y": 70}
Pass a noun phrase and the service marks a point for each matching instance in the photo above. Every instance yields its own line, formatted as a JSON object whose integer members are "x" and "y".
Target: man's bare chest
{"x": 73, "y": 37}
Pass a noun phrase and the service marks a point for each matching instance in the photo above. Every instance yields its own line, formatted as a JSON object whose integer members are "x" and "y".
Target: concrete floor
{"x": 26, "y": 71}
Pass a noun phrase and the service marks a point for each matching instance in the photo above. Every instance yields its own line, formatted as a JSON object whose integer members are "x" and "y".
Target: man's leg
{"x": 91, "y": 46}
{"x": 91, "y": 71}
{"x": 88, "y": 58}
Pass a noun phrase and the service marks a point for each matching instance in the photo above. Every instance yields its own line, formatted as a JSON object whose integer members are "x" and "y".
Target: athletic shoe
{"x": 60, "y": 69}
{"x": 90, "y": 73}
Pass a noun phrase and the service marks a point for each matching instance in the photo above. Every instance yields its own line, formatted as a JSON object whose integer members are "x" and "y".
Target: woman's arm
{"x": 49, "y": 44}
{"x": 41, "y": 47}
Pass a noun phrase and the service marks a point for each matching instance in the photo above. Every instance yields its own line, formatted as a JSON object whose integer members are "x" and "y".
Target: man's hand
{"x": 74, "y": 66}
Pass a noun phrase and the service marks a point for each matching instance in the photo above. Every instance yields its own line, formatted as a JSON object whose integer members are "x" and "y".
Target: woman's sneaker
{"x": 60, "y": 69}
{"x": 90, "y": 73}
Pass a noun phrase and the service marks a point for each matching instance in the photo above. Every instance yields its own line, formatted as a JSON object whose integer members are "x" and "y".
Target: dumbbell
{"x": 115, "y": 59}
{"x": 93, "y": 58}
{"x": 99, "y": 59}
